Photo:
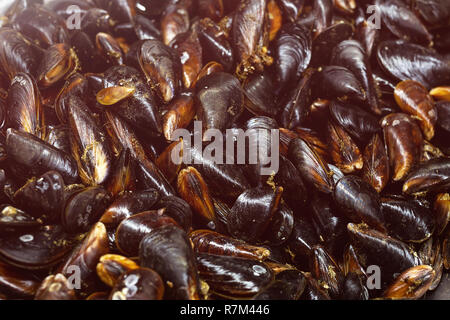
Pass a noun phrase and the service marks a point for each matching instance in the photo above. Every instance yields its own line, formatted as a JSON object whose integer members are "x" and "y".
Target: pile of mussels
{"x": 93, "y": 207}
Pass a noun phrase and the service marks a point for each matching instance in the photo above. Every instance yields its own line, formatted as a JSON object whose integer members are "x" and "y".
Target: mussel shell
{"x": 376, "y": 163}
{"x": 360, "y": 124}
{"x": 138, "y": 284}
{"x": 260, "y": 95}
{"x": 144, "y": 28}
{"x": 84, "y": 208}
{"x": 13, "y": 220}
{"x": 359, "y": 201}
{"x": 17, "y": 283}
{"x": 252, "y": 212}
{"x": 219, "y": 100}
{"x": 167, "y": 250}
{"x": 111, "y": 266}
{"x": 122, "y": 177}
{"x": 291, "y": 9}
{"x": 132, "y": 230}
{"x": 434, "y": 12}
{"x": 287, "y": 285}
{"x": 281, "y": 226}
{"x": 162, "y": 67}
{"x": 431, "y": 176}
{"x": 295, "y": 192}
{"x": 42, "y": 196}
{"x": 37, "y": 249}
{"x": 353, "y": 288}
{"x": 413, "y": 283}
{"x": 55, "y": 287}
{"x": 58, "y": 62}
{"x": 110, "y": 48}
{"x": 375, "y": 248}
{"x": 403, "y": 60}
{"x": 301, "y": 242}
{"x": 233, "y": 276}
{"x": 177, "y": 209}
{"x": 39, "y": 156}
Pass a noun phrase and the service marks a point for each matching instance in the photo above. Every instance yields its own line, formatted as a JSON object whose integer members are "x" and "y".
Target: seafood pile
{"x": 92, "y": 93}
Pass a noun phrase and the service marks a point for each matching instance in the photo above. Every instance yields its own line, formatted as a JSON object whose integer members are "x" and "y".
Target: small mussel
{"x": 233, "y": 277}
{"x": 111, "y": 266}
{"x": 413, "y": 283}
{"x": 431, "y": 176}
{"x": 138, "y": 284}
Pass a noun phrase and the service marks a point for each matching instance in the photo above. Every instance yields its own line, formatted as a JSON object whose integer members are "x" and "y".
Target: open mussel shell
{"x": 24, "y": 106}
{"x": 408, "y": 220}
{"x": 376, "y": 163}
{"x": 132, "y": 230}
{"x": 404, "y": 143}
{"x": 232, "y": 276}
{"x": 39, "y": 156}
{"x": 219, "y": 100}
{"x": 413, "y": 98}
{"x": 17, "y": 54}
{"x": 168, "y": 251}
{"x": 36, "y": 249}
{"x": 84, "y": 208}
{"x": 55, "y": 287}
{"x": 138, "y": 284}
{"x": 111, "y": 266}
{"x": 252, "y": 213}
{"x": 431, "y": 176}
{"x": 359, "y": 201}
{"x": 312, "y": 168}
{"x": 413, "y": 283}
{"x": 13, "y": 220}
{"x": 89, "y": 144}
{"x": 375, "y": 248}
{"x": 17, "y": 283}
{"x": 207, "y": 241}
{"x": 403, "y": 60}
{"x": 162, "y": 67}
{"x": 42, "y": 196}
{"x": 292, "y": 53}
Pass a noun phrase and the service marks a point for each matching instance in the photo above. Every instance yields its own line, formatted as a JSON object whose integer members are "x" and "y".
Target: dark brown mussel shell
{"x": 17, "y": 283}
{"x": 42, "y": 197}
{"x": 407, "y": 220}
{"x": 110, "y": 48}
{"x": 168, "y": 251}
{"x": 431, "y": 176}
{"x": 413, "y": 283}
{"x": 14, "y": 220}
{"x": 36, "y": 249}
{"x": 177, "y": 209}
{"x": 219, "y": 100}
{"x": 291, "y": 9}
{"x": 175, "y": 21}
{"x": 89, "y": 144}
{"x": 213, "y": 9}
{"x": 215, "y": 44}
{"x": 39, "y": 156}
{"x": 376, "y": 163}
{"x": 333, "y": 82}
{"x": 190, "y": 51}
{"x": 442, "y": 209}
{"x": 260, "y": 96}
{"x": 162, "y": 67}
{"x": 24, "y": 106}
{"x": 84, "y": 208}
{"x": 17, "y": 54}
{"x": 122, "y": 177}
{"x": 359, "y": 201}
{"x": 287, "y": 285}
{"x": 138, "y": 284}
{"x": 295, "y": 192}
{"x": 413, "y": 98}
{"x": 124, "y": 137}
{"x": 140, "y": 109}
{"x": 121, "y": 11}
{"x": 58, "y": 62}
{"x": 292, "y": 54}
{"x": 375, "y": 248}
{"x": 127, "y": 204}
{"x": 111, "y": 266}
{"x": 326, "y": 270}
{"x": 76, "y": 84}
{"x": 314, "y": 291}
{"x": 144, "y": 28}
{"x": 132, "y": 230}
{"x": 55, "y": 287}
{"x": 207, "y": 241}
{"x": 328, "y": 39}
{"x": 343, "y": 150}
{"x": 193, "y": 189}
{"x": 403, "y": 61}
{"x": 312, "y": 168}
{"x": 281, "y": 226}
{"x": 96, "y": 20}
{"x": 41, "y": 25}
{"x": 84, "y": 258}
{"x": 360, "y": 124}
{"x": 232, "y": 276}
{"x": 296, "y": 106}
{"x": 180, "y": 114}
{"x": 322, "y": 11}
{"x": 252, "y": 213}
{"x": 58, "y": 137}
{"x": 353, "y": 288}
{"x": 404, "y": 143}
{"x": 351, "y": 54}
